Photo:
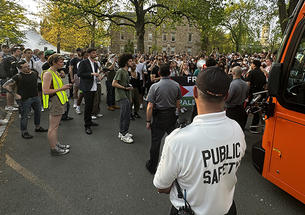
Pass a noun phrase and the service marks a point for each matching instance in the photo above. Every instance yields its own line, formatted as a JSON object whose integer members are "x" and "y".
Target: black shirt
{"x": 10, "y": 66}
{"x": 257, "y": 80}
{"x": 26, "y": 84}
{"x": 74, "y": 63}
{"x": 155, "y": 71}
{"x": 135, "y": 82}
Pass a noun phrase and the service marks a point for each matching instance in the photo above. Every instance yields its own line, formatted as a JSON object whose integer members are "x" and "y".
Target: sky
{"x": 32, "y": 6}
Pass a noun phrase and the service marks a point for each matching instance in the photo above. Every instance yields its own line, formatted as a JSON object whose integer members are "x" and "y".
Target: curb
{"x": 3, "y": 127}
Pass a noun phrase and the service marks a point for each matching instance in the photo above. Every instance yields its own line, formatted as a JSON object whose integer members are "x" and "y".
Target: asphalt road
{"x": 102, "y": 175}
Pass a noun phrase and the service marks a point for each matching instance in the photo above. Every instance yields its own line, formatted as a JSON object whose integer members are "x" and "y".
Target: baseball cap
{"x": 213, "y": 81}
{"x": 49, "y": 52}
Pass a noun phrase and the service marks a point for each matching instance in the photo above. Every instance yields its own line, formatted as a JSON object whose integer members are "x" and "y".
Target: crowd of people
{"x": 39, "y": 80}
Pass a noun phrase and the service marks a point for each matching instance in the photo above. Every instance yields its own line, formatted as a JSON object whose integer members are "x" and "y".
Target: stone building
{"x": 184, "y": 38}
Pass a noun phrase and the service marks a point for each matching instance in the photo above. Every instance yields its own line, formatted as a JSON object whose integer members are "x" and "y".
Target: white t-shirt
{"x": 141, "y": 68}
{"x": 38, "y": 67}
{"x": 94, "y": 86}
{"x": 204, "y": 158}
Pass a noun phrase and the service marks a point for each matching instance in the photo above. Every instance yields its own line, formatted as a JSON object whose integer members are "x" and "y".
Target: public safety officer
{"x": 204, "y": 156}
{"x": 163, "y": 99}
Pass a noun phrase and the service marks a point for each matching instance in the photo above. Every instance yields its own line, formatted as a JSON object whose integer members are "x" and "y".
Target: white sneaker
{"x": 75, "y": 106}
{"x": 42, "y": 109}
{"x": 10, "y": 108}
{"x": 3, "y": 121}
{"x": 77, "y": 110}
{"x": 121, "y": 135}
{"x": 93, "y": 117}
{"x": 99, "y": 115}
{"x": 127, "y": 139}
{"x": 141, "y": 106}
{"x": 75, "y": 103}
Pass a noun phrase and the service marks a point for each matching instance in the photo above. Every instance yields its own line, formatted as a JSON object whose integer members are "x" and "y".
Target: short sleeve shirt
{"x": 26, "y": 84}
{"x": 122, "y": 77}
{"x": 164, "y": 94}
{"x": 204, "y": 158}
{"x": 74, "y": 63}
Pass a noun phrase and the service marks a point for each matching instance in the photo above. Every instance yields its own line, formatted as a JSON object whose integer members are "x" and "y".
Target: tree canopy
{"x": 67, "y": 29}
{"x": 11, "y": 19}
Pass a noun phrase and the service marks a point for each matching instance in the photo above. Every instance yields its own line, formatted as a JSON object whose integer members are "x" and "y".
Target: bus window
{"x": 295, "y": 91}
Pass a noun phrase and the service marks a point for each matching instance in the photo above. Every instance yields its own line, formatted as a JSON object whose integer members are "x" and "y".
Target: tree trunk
{"x": 205, "y": 41}
{"x": 237, "y": 47}
{"x": 58, "y": 42}
{"x": 92, "y": 44}
{"x": 283, "y": 16}
{"x": 140, "y": 30}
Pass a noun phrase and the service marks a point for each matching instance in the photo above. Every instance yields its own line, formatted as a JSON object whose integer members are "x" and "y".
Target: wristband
{"x": 148, "y": 121}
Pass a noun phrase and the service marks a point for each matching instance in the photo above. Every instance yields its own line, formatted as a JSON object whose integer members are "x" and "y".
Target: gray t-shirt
{"x": 238, "y": 92}
{"x": 164, "y": 94}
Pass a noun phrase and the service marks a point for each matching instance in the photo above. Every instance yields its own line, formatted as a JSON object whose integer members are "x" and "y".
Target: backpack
{"x": 2, "y": 71}
{"x": 12, "y": 61}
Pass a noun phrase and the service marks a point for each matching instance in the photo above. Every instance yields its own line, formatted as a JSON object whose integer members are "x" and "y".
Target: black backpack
{"x": 2, "y": 71}
{"x": 12, "y": 68}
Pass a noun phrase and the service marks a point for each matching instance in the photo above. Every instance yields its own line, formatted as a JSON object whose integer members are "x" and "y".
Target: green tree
{"x": 129, "y": 47}
{"x": 237, "y": 20}
{"x": 11, "y": 19}
{"x": 140, "y": 12}
{"x": 66, "y": 29}
{"x": 285, "y": 10}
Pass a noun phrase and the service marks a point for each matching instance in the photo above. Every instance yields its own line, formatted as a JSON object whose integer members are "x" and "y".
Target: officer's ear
{"x": 195, "y": 92}
{"x": 226, "y": 96}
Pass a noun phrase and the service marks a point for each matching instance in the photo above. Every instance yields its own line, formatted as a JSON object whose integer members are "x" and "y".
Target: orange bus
{"x": 280, "y": 158}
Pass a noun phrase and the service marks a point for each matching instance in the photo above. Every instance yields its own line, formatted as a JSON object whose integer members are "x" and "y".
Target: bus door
{"x": 287, "y": 160}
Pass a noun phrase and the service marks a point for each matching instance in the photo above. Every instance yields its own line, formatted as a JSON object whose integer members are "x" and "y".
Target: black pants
{"x": 163, "y": 121}
{"x": 256, "y": 119}
{"x": 232, "y": 210}
{"x": 238, "y": 114}
{"x": 110, "y": 94}
{"x": 89, "y": 97}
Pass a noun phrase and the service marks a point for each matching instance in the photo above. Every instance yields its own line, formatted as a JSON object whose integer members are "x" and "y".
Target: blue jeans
{"x": 25, "y": 108}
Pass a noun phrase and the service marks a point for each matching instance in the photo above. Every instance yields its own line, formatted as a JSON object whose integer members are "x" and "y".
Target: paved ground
{"x": 102, "y": 175}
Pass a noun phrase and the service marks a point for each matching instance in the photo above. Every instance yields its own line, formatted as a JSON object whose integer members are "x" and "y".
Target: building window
{"x": 150, "y": 36}
{"x": 149, "y": 49}
{"x": 164, "y": 49}
{"x": 122, "y": 36}
{"x": 173, "y": 37}
{"x": 122, "y": 49}
{"x": 189, "y": 51}
{"x": 164, "y": 37}
{"x": 173, "y": 50}
{"x": 190, "y": 37}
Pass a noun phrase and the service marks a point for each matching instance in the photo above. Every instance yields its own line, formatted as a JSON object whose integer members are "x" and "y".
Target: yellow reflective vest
{"x": 57, "y": 83}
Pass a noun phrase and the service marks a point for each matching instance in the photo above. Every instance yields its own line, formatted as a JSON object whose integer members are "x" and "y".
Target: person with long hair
{"x": 54, "y": 91}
